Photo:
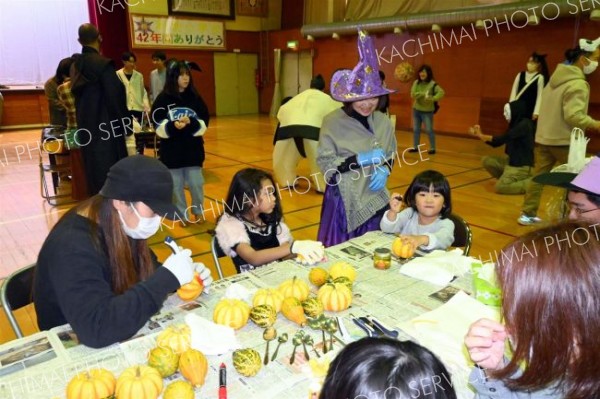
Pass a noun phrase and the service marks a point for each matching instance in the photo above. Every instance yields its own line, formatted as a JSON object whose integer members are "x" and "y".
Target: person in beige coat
{"x": 564, "y": 107}
{"x": 137, "y": 97}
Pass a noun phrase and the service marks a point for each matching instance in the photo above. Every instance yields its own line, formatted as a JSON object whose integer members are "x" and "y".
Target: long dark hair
{"x": 243, "y": 193}
{"x": 541, "y": 59}
{"x": 398, "y": 369}
{"x": 174, "y": 69}
{"x": 423, "y": 182}
{"x": 551, "y": 309}
{"x": 427, "y": 69}
{"x": 129, "y": 260}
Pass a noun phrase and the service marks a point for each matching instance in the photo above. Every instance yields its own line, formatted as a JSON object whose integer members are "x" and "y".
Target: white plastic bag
{"x": 576, "y": 160}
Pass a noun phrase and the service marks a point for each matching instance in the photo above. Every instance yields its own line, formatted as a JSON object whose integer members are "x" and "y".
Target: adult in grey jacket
{"x": 550, "y": 279}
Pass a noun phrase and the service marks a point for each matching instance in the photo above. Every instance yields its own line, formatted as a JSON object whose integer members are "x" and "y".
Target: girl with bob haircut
{"x": 551, "y": 312}
{"x": 424, "y": 224}
{"x": 252, "y": 231}
{"x": 181, "y": 118}
{"x": 386, "y": 368}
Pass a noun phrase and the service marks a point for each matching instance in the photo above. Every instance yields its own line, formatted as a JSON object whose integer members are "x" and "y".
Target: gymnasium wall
{"x": 476, "y": 68}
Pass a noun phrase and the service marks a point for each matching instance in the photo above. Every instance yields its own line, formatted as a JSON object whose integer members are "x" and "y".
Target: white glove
{"x": 181, "y": 265}
{"x": 311, "y": 251}
{"x": 205, "y": 276}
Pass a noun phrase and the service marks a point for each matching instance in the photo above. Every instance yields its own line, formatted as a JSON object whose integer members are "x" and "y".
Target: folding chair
{"x": 462, "y": 233}
{"x": 217, "y": 253}
{"x": 54, "y": 149}
{"x": 16, "y": 292}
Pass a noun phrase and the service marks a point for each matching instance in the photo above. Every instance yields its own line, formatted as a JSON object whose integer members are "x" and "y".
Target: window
{"x": 35, "y": 35}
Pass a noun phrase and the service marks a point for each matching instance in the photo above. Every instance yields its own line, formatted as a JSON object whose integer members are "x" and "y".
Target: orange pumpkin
{"x": 294, "y": 288}
{"x": 268, "y": 296}
{"x": 335, "y": 297}
{"x": 193, "y": 366}
{"x": 92, "y": 384}
{"x": 342, "y": 269}
{"x": 231, "y": 312}
{"x": 191, "y": 290}
{"x": 177, "y": 337}
{"x": 401, "y": 249}
{"x": 318, "y": 276}
{"x": 139, "y": 382}
{"x": 292, "y": 309}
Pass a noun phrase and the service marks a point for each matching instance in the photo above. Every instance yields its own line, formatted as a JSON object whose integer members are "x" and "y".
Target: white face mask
{"x": 591, "y": 67}
{"x": 145, "y": 228}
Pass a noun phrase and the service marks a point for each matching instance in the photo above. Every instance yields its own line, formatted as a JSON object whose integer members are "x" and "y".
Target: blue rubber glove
{"x": 379, "y": 178}
{"x": 373, "y": 157}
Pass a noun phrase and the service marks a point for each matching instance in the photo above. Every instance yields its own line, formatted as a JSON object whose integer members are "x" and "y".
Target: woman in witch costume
{"x": 355, "y": 153}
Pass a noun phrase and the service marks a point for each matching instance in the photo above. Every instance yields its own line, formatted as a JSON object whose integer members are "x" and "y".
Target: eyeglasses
{"x": 581, "y": 211}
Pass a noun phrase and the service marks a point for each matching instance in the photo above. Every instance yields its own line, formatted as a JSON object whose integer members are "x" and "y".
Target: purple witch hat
{"x": 363, "y": 81}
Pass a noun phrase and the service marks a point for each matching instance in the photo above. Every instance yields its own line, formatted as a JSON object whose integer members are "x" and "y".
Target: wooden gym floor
{"x": 233, "y": 143}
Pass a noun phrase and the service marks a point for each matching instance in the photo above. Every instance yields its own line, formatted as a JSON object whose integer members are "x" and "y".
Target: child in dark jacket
{"x": 181, "y": 118}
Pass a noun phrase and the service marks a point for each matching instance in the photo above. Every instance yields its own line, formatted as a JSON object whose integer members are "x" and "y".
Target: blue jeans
{"x": 192, "y": 176}
{"x": 420, "y": 117}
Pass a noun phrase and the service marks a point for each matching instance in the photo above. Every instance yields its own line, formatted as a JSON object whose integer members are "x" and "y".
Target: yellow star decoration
{"x": 368, "y": 70}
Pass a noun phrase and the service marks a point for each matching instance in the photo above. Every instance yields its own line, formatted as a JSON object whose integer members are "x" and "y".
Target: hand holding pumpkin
{"x": 309, "y": 252}
{"x": 414, "y": 240}
{"x": 204, "y": 274}
{"x": 181, "y": 265}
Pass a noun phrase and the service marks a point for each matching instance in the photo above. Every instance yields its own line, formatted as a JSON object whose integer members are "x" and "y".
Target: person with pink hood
{"x": 583, "y": 197}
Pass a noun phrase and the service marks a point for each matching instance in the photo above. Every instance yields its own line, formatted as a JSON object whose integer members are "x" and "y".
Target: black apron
{"x": 258, "y": 241}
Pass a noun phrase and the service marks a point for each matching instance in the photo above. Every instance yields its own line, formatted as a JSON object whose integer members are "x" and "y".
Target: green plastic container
{"x": 486, "y": 292}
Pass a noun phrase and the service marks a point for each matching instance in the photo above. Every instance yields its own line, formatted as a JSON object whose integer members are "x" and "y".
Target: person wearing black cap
{"x": 102, "y": 116}
{"x": 181, "y": 118}
{"x": 95, "y": 270}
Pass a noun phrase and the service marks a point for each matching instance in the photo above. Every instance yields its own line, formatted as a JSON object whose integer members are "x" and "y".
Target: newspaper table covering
{"x": 41, "y": 365}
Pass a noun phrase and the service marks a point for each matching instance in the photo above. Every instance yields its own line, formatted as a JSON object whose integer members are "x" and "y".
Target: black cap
{"x": 141, "y": 178}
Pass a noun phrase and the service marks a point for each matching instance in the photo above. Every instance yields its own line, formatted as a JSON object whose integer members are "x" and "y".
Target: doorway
{"x": 296, "y": 72}
{"x": 235, "y": 84}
